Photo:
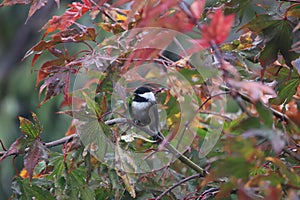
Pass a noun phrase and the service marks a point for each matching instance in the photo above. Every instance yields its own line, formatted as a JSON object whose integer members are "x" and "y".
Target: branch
{"x": 66, "y": 139}
{"x": 54, "y": 143}
{"x": 177, "y": 184}
{"x": 184, "y": 159}
{"x": 116, "y": 121}
{"x": 60, "y": 141}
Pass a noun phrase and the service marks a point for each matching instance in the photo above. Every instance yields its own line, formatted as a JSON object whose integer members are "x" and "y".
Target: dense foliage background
{"x": 247, "y": 49}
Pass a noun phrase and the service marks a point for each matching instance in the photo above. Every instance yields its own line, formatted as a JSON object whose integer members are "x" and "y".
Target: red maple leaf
{"x": 219, "y": 27}
{"x": 74, "y": 12}
{"x": 214, "y": 32}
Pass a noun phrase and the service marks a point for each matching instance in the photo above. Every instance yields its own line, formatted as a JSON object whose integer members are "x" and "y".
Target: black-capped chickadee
{"x": 143, "y": 110}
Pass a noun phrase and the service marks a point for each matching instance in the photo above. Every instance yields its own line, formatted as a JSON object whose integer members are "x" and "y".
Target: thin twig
{"x": 292, "y": 154}
{"x": 60, "y": 141}
{"x": 185, "y": 160}
{"x": 210, "y": 97}
{"x": 177, "y": 184}
{"x": 3, "y": 147}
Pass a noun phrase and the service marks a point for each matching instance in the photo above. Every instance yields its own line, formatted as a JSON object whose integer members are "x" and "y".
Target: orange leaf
{"x": 23, "y": 173}
{"x": 72, "y": 128}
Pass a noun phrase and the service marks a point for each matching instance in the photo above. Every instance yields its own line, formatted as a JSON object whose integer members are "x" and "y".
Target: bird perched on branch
{"x": 143, "y": 110}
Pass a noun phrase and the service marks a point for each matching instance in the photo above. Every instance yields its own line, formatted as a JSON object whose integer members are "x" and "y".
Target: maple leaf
{"x": 70, "y": 35}
{"x": 149, "y": 45}
{"x": 276, "y": 36}
{"x": 170, "y": 21}
{"x": 125, "y": 161}
{"x": 36, "y": 151}
{"x": 55, "y": 85}
{"x": 219, "y": 27}
{"x": 165, "y": 14}
{"x": 75, "y": 11}
{"x": 30, "y": 129}
{"x": 214, "y": 32}
{"x": 17, "y": 147}
{"x": 49, "y": 67}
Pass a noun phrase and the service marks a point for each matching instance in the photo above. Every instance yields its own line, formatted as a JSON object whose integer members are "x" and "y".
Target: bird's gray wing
{"x": 153, "y": 113}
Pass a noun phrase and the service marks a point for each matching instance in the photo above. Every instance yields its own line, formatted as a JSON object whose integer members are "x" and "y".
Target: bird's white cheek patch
{"x": 148, "y": 95}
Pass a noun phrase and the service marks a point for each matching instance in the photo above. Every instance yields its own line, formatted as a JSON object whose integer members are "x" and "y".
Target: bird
{"x": 144, "y": 112}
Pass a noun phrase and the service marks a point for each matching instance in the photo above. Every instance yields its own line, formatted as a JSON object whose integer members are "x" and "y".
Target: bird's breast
{"x": 140, "y": 111}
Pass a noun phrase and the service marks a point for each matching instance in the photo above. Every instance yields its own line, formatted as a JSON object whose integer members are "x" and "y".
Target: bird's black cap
{"x": 142, "y": 90}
